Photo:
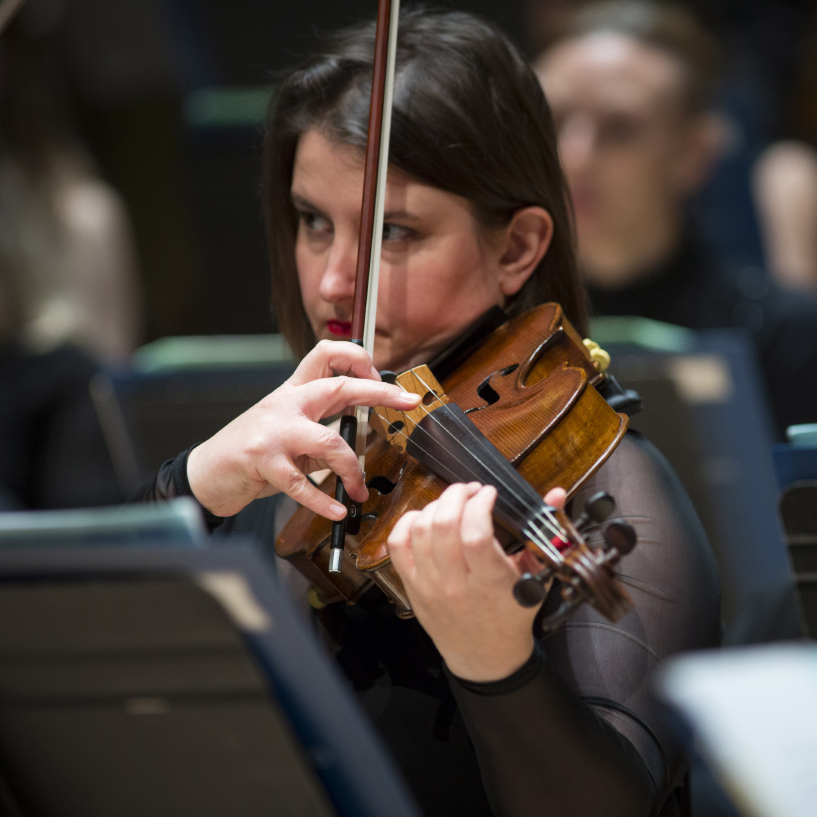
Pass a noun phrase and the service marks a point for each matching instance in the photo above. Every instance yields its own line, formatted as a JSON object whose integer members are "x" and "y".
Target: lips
{"x": 340, "y": 328}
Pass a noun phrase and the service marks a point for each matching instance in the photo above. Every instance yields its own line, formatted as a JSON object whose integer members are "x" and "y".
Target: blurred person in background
{"x": 630, "y": 84}
{"x": 65, "y": 241}
{"x": 784, "y": 184}
{"x": 68, "y": 296}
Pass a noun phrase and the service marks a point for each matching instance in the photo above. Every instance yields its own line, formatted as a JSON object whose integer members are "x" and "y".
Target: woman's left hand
{"x": 460, "y": 582}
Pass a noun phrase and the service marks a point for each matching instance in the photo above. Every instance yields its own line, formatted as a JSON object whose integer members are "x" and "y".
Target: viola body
{"x": 529, "y": 388}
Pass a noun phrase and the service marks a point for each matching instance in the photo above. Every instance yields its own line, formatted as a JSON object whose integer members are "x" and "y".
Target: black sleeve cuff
{"x": 181, "y": 484}
{"x": 171, "y": 481}
{"x": 522, "y": 677}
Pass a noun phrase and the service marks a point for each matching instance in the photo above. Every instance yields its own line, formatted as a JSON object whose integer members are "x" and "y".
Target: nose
{"x": 338, "y": 281}
{"x": 577, "y": 143}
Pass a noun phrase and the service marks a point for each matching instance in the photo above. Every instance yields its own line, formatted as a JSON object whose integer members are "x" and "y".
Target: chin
{"x": 384, "y": 356}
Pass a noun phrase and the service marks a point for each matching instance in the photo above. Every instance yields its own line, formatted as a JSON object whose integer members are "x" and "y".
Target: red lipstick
{"x": 340, "y": 328}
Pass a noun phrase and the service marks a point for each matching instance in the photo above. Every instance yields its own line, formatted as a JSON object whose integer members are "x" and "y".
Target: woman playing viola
{"x": 484, "y": 714}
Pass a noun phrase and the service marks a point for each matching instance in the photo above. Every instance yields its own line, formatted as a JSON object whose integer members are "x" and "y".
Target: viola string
{"x": 536, "y": 536}
{"x": 541, "y": 513}
{"x": 551, "y": 524}
{"x": 556, "y": 531}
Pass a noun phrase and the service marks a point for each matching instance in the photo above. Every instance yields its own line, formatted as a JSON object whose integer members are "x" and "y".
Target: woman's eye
{"x": 394, "y": 232}
{"x": 314, "y": 222}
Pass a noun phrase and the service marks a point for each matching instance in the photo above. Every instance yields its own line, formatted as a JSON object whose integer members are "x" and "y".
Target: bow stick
{"x": 355, "y": 419}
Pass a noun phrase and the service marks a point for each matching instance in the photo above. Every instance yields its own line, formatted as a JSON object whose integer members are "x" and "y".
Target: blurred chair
{"x": 174, "y": 683}
{"x": 796, "y": 464}
{"x": 798, "y": 512}
{"x": 179, "y": 392}
{"x": 705, "y": 411}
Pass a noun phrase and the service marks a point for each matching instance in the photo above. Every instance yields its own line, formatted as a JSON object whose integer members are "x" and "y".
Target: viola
{"x": 521, "y": 413}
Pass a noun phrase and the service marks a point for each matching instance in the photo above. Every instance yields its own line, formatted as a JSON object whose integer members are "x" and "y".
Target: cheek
{"x": 309, "y": 277}
{"x": 440, "y": 289}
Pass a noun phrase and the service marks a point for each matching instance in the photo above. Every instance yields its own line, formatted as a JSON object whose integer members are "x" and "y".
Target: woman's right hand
{"x": 272, "y": 446}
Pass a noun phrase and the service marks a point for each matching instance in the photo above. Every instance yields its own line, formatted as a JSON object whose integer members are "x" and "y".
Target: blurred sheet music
{"x": 754, "y": 716}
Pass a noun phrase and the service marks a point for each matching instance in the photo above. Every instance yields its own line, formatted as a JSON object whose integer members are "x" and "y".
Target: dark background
{"x": 130, "y": 67}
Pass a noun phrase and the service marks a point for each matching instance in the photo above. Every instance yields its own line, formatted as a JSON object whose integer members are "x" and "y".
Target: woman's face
{"x": 439, "y": 271}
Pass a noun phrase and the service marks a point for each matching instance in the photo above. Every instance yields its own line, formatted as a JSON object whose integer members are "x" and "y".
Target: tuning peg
{"x": 620, "y": 535}
{"x": 600, "y": 506}
{"x": 529, "y": 590}
{"x": 597, "y": 508}
{"x": 570, "y": 601}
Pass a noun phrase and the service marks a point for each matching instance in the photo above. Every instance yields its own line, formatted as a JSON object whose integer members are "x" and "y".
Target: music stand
{"x": 174, "y": 682}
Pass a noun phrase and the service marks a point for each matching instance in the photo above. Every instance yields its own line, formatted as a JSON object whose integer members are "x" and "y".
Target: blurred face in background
{"x": 631, "y": 150}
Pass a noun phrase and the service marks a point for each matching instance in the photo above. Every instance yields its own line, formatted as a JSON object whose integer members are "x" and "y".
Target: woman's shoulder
{"x": 673, "y": 559}
{"x": 636, "y": 453}
{"x": 642, "y": 476}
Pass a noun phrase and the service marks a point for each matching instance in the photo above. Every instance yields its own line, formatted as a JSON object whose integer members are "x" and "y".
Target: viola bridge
{"x": 397, "y": 426}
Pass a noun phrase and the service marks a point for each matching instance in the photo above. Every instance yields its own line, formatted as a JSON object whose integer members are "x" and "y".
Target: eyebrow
{"x": 304, "y": 204}
{"x": 402, "y": 215}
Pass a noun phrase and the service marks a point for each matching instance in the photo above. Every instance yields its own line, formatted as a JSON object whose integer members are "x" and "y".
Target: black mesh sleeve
{"x": 565, "y": 760}
{"x": 576, "y": 731}
{"x": 171, "y": 481}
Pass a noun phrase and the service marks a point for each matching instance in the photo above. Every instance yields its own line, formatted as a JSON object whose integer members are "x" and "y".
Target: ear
{"x": 524, "y": 243}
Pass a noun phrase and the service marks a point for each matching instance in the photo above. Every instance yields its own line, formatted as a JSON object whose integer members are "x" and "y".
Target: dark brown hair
{"x": 469, "y": 117}
{"x": 664, "y": 26}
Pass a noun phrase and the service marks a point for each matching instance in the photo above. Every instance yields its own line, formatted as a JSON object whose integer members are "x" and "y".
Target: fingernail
{"x": 410, "y": 397}
{"x": 375, "y": 374}
{"x": 337, "y": 510}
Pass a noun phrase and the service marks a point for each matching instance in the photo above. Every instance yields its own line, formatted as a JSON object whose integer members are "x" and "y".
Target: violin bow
{"x": 355, "y": 420}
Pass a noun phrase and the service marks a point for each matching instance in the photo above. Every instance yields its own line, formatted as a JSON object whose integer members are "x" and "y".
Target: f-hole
{"x": 382, "y": 485}
{"x": 486, "y": 392}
